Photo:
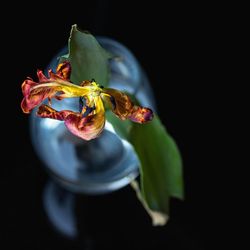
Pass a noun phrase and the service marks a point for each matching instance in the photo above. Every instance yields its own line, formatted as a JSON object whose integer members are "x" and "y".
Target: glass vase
{"x": 94, "y": 167}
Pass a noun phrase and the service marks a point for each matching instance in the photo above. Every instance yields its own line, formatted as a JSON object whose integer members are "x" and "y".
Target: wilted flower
{"x": 89, "y": 122}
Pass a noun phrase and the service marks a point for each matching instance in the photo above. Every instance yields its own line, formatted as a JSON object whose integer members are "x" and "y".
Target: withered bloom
{"x": 89, "y": 122}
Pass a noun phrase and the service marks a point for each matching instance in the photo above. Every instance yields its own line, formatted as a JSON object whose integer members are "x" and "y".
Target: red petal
{"x": 35, "y": 94}
{"x": 45, "y": 111}
{"x": 87, "y": 128}
{"x": 41, "y": 77}
{"x": 141, "y": 115}
{"x": 26, "y": 85}
{"x": 33, "y": 98}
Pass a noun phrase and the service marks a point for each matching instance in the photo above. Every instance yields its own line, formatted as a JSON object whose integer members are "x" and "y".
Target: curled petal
{"x": 64, "y": 70}
{"x": 87, "y": 128}
{"x": 26, "y": 85}
{"x": 124, "y": 108}
{"x": 56, "y": 86}
{"x": 141, "y": 114}
{"x": 119, "y": 102}
{"x": 45, "y": 111}
{"x": 41, "y": 77}
{"x": 32, "y": 96}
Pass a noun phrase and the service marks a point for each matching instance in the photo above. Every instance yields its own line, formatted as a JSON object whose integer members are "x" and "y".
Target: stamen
{"x": 88, "y": 111}
{"x": 82, "y": 102}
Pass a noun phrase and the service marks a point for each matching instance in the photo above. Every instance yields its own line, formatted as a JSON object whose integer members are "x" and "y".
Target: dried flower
{"x": 89, "y": 122}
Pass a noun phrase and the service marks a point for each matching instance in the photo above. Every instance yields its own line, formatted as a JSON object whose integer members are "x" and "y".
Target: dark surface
{"x": 179, "y": 66}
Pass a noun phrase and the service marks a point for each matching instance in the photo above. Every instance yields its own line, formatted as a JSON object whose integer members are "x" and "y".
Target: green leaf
{"x": 161, "y": 167}
{"x": 88, "y": 59}
{"x": 122, "y": 128}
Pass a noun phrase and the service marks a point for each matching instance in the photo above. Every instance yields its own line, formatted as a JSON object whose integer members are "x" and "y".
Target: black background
{"x": 177, "y": 46}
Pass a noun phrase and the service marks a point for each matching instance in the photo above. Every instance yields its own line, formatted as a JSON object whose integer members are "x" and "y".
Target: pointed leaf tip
{"x": 88, "y": 59}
